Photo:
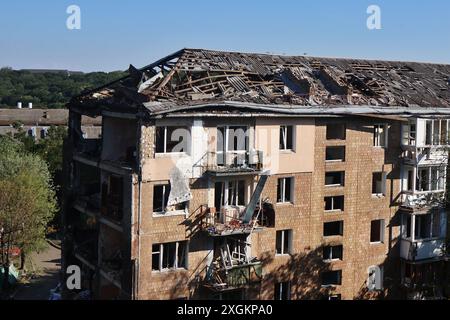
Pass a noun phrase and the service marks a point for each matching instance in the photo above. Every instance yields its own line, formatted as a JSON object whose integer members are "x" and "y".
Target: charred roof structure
{"x": 193, "y": 79}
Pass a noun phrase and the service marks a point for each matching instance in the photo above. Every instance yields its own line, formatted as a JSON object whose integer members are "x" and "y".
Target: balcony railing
{"x": 422, "y": 249}
{"x": 228, "y": 220}
{"x": 235, "y": 277}
{"x": 234, "y": 162}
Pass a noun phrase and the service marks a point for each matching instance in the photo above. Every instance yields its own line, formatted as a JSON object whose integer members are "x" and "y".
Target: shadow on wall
{"x": 303, "y": 270}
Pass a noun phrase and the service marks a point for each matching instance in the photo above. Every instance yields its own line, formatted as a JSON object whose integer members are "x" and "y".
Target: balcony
{"x": 425, "y": 156}
{"x": 234, "y": 163}
{"x": 234, "y": 278}
{"x": 422, "y": 249}
{"x": 229, "y": 220}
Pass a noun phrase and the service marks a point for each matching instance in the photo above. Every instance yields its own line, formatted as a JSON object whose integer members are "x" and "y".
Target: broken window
{"x": 378, "y": 183}
{"x": 172, "y": 139}
{"x": 427, "y": 226}
{"x": 409, "y": 134}
{"x": 380, "y": 135}
{"x": 285, "y": 190}
{"x": 166, "y": 256}
{"x": 410, "y": 180}
{"x": 332, "y": 278}
{"x": 334, "y": 178}
{"x": 286, "y": 138}
{"x": 331, "y": 253}
{"x": 161, "y": 197}
{"x": 335, "y": 203}
{"x": 229, "y": 193}
{"x": 423, "y": 180}
{"x": 335, "y": 153}
{"x": 232, "y": 138}
{"x": 283, "y": 291}
{"x": 437, "y": 178}
{"x": 377, "y": 231}
{"x": 336, "y": 131}
{"x": 283, "y": 242}
{"x": 335, "y": 228}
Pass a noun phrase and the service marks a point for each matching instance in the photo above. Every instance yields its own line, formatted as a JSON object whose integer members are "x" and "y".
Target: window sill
{"x": 334, "y": 186}
{"x": 334, "y": 211}
{"x": 332, "y": 260}
{"x": 169, "y": 214}
{"x": 280, "y": 255}
{"x": 287, "y": 151}
{"x": 376, "y": 243}
{"x": 166, "y": 271}
{"x": 171, "y": 154}
{"x": 378, "y": 196}
{"x": 284, "y": 204}
{"x": 335, "y": 161}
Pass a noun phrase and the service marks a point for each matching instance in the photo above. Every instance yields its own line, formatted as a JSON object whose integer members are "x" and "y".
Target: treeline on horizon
{"x": 50, "y": 90}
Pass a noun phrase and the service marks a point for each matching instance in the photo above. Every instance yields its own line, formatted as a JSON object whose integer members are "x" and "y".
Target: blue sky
{"x": 115, "y": 33}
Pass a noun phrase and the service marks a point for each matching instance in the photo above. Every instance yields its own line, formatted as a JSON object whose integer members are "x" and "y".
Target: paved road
{"x": 48, "y": 262}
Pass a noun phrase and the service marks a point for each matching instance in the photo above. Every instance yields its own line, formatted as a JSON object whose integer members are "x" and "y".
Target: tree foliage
{"x": 27, "y": 199}
{"x": 50, "y": 90}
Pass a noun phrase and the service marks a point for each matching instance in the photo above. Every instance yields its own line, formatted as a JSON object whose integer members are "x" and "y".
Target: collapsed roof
{"x": 191, "y": 79}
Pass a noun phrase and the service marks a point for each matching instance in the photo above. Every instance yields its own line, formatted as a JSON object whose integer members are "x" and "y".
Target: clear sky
{"x": 113, "y": 34}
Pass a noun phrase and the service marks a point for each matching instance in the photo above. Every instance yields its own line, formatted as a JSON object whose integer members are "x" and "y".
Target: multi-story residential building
{"x": 244, "y": 176}
{"x": 35, "y": 122}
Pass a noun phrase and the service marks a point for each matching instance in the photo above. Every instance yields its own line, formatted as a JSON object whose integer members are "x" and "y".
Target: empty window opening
{"x": 427, "y": 226}
{"x": 377, "y": 231}
{"x": 286, "y": 138}
{"x": 335, "y": 228}
{"x": 283, "y": 242}
{"x": 336, "y": 131}
{"x": 410, "y": 180}
{"x": 229, "y": 193}
{"x": 380, "y": 135}
{"x": 335, "y": 154}
{"x": 331, "y": 253}
{"x": 336, "y": 178}
{"x": 161, "y": 198}
{"x": 332, "y": 278}
{"x": 378, "y": 183}
{"x": 232, "y": 138}
{"x": 166, "y": 256}
{"x": 423, "y": 180}
{"x": 335, "y": 203}
{"x": 172, "y": 139}
{"x": 283, "y": 291}
{"x": 285, "y": 190}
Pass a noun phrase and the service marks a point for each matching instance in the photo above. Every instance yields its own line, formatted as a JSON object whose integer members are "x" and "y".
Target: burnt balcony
{"x": 221, "y": 279}
{"x": 234, "y": 163}
{"x": 229, "y": 220}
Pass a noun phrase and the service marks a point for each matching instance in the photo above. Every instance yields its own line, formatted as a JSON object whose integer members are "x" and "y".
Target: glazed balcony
{"x": 236, "y": 277}
{"x": 422, "y": 249}
{"x": 234, "y": 163}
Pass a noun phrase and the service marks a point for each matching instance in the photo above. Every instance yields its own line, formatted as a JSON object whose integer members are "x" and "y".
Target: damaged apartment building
{"x": 223, "y": 175}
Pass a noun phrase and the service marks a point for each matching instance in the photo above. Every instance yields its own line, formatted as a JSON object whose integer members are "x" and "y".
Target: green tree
{"x": 27, "y": 201}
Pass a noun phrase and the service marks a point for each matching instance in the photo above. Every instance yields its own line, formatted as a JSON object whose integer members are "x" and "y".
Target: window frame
{"x": 283, "y": 243}
{"x": 165, "y": 152}
{"x": 283, "y": 190}
{"x": 383, "y": 184}
{"x": 339, "y": 279}
{"x": 381, "y": 231}
{"x": 341, "y": 229}
{"x": 280, "y": 287}
{"x": 175, "y": 258}
{"x": 377, "y": 135}
{"x": 333, "y": 204}
{"x": 330, "y": 257}
{"x": 285, "y": 140}
{"x": 342, "y": 179}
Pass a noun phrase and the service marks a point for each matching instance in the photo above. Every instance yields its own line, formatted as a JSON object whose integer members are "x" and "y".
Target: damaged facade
{"x": 244, "y": 176}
